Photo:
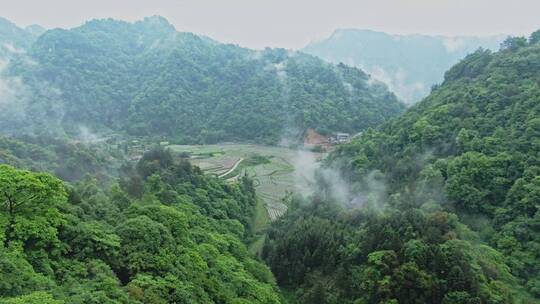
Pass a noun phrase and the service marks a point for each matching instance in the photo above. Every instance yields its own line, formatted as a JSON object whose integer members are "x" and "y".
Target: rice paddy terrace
{"x": 271, "y": 168}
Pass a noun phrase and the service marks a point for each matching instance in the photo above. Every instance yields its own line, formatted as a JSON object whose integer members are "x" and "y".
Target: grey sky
{"x": 292, "y": 23}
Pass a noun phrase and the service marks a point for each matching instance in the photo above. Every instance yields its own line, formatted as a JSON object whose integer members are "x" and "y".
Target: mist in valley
{"x": 271, "y": 153}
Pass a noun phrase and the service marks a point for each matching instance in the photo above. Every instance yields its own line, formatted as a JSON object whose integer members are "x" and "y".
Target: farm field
{"x": 271, "y": 168}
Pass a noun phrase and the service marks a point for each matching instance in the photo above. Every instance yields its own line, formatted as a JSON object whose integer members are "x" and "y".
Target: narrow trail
{"x": 231, "y": 169}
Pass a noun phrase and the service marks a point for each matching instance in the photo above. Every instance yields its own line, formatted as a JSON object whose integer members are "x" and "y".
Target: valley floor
{"x": 274, "y": 170}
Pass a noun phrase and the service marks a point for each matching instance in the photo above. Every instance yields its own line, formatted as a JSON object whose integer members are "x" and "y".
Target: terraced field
{"x": 271, "y": 168}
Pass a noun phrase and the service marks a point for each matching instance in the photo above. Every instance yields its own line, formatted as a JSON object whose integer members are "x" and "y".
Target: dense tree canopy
{"x": 180, "y": 241}
{"x": 411, "y": 256}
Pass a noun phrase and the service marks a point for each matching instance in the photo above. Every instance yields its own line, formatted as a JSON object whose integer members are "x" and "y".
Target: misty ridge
{"x": 19, "y": 111}
{"x": 193, "y": 84}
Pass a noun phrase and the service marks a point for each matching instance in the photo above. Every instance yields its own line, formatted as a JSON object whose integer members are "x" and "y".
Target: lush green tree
{"x": 30, "y": 202}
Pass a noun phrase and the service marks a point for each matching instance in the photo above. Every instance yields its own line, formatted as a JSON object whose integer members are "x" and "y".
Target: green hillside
{"x": 449, "y": 194}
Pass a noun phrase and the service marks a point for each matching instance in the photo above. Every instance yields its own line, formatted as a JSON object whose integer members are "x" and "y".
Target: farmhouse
{"x": 313, "y": 140}
{"x": 339, "y": 138}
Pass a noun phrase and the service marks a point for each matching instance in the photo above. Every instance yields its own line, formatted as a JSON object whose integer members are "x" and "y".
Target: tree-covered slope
{"x": 449, "y": 195}
{"x": 146, "y": 78}
{"x": 409, "y": 64}
{"x": 165, "y": 234}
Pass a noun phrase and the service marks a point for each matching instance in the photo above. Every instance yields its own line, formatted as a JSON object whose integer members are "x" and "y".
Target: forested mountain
{"x": 408, "y": 64}
{"x": 164, "y": 234}
{"x": 145, "y": 78}
{"x": 449, "y": 195}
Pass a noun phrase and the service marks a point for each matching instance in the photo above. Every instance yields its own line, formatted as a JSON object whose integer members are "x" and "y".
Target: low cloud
{"x": 453, "y": 44}
{"x": 305, "y": 166}
{"x": 12, "y": 49}
{"x": 27, "y": 109}
{"x": 311, "y": 178}
{"x": 279, "y": 69}
{"x": 398, "y": 82}
{"x": 86, "y": 136}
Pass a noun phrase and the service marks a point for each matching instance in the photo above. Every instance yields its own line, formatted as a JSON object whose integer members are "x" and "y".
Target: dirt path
{"x": 231, "y": 169}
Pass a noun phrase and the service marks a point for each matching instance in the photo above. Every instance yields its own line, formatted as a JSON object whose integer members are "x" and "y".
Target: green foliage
{"x": 144, "y": 244}
{"x": 30, "y": 217}
{"x": 30, "y": 203}
{"x": 402, "y": 256}
{"x": 33, "y": 298}
{"x": 18, "y": 275}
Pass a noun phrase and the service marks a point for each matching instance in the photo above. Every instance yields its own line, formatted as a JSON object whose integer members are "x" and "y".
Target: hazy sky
{"x": 292, "y": 23}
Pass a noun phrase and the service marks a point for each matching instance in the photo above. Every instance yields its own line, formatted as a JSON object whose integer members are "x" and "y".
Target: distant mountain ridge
{"x": 408, "y": 64}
